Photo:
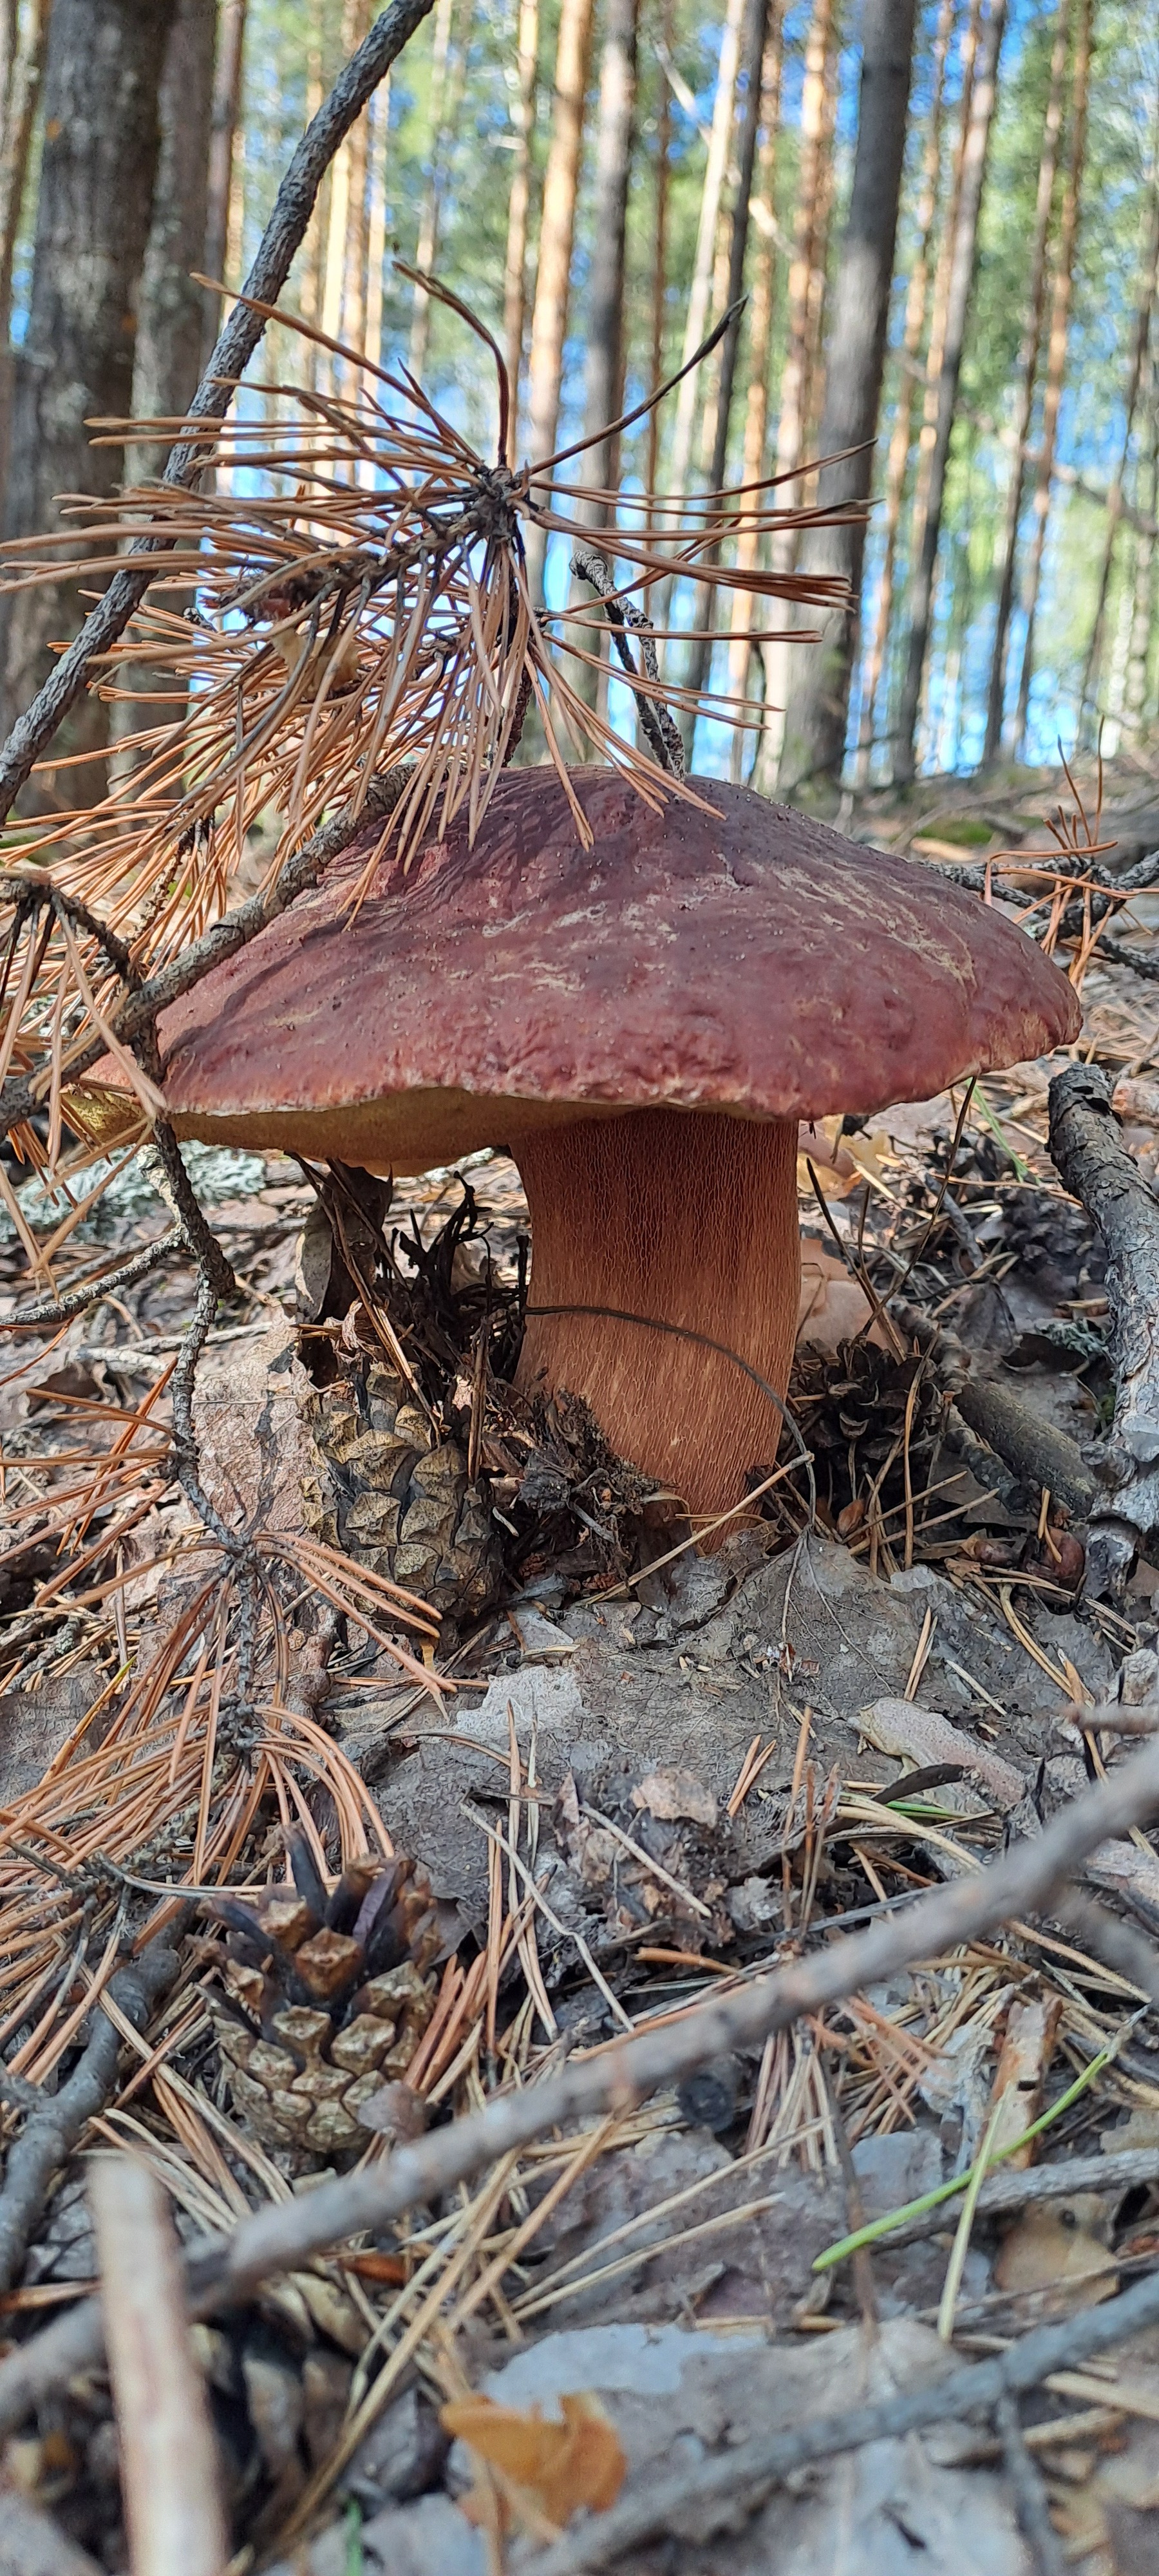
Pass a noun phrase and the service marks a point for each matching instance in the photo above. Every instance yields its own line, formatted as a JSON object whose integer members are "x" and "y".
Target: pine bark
{"x": 975, "y": 151}
{"x": 556, "y": 233}
{"x": 817, "y": 713}
{"x": 1136, "y": 370}
{"x": 226, "y": 109}
{"x": 172, "y": 319}
{"x": 23, "y": 42}
{"x": 756, "y": 424}
{"x": 448, "y": 74}
{"x": 715, "y": 169}
{"x": 604, "y": 369}
{"x": 795, "y": 378}
{"x": 1061, "y": 293}
{"x": 901, "y": 436}
{"x": 660, "y": 238}
{"x": 755, "y": 36}
{"x": 101, "y": 89}
{"x": 519, "y": 212}
{"x": 1028, "y": 363}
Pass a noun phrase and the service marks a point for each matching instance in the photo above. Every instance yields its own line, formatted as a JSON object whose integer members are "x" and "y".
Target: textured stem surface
{"x": 689, "y": 1220}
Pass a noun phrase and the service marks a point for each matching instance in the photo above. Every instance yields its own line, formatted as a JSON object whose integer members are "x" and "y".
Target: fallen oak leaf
{"x": 551, "y": 2468}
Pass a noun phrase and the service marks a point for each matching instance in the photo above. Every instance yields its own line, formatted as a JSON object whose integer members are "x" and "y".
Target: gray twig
{"x": 286, "y": 2233}
{"x": 76, "y": 1301}
{"x": 712, "y": 2489}
{"x": 293, "y": 207}
{"x": 664, "y": 735}
{"x": 51, "y": 2130}
{"x": 1094, "y": 1165}
{"x": 1030, "y": 2503}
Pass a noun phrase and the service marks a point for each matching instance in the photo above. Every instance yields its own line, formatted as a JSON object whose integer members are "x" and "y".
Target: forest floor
{"x": 628, "y": 1783}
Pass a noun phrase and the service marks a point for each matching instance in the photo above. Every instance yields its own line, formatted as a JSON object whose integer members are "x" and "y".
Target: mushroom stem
{"x": 689, "y": 1218}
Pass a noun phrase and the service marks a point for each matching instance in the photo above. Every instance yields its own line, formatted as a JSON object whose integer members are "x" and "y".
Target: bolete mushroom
{"x": 642, "y": 1024}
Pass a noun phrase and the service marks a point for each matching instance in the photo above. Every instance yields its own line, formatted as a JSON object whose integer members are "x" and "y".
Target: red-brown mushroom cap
{"x": 745, "y": 960}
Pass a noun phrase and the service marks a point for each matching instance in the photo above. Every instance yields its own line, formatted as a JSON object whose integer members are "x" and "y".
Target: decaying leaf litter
{"x": 623, "y": 1775}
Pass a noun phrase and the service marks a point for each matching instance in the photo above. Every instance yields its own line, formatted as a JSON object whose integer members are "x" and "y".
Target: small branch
{"x": 1030, "y": 2503}
{"x": 665, "y": 740}
{"x": 51, "y": 2131}
{"x": 20, "y": 1098}
{"x": 169, "y": 2467}
{"x": 1093, "y": 1163}
{"x": 713, "y": 2489}
{"x": 1133, "y": 2169}
{"x": 284, "y": 2235}
{"x": 293, "y": 207}
{"x": 1115, "y": 954}
{"x": 76, "y": 1301}
{"x": 985, "y": 1412}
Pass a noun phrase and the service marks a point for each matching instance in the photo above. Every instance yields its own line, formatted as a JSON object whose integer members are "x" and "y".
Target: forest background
{"x": 596, "y": 177}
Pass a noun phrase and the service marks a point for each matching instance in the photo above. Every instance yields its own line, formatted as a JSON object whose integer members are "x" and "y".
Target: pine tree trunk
{"x": 318, "y": 232}
{"x": 378, "y": 147}
{"x": 101, "y": 86}
{"x": 518, "y": 213}
{"x": 1136, "y": 367}
{"x": 448, "y": 75}
{"x": 171, "y": 319}
{"x": 556, "y": 231}
{"x": 818, "y": 705}
{"x": 759, "y": 352}
{"x": 357, "y": 144}
{"x": 960, "y": 284}
{"x": 604, "y": 369}
{"x": 1056, "y": 352}
{"x": 660, "y": 239}
{"x": 227, "y": 79}
{"x": 795, "y": 391}
{"x": 1135, "y": 692}
{"x": 1028, "y": 359}
{"x": 691, "y": 391}
{"x": 901, "y": 436}
{"x": 23, "y": 41}
{"x": 756, "y": 32}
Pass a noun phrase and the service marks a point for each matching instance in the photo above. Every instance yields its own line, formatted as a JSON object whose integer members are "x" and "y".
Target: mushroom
{"x": 642, "y": 1024}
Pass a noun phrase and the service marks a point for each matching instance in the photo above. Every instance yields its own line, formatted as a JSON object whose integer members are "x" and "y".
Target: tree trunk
{"x": 357, "y": 144}
{"x": 379, "y": 145}
{"x": 1028, "y": 359}
{"x": 901, "y": 438}
{"x": 556, "y": 231}
{"x": 171, "y": 320}
{"x": 227, "y": 78}
{"x": 311, "y": 291}
{"x": 102, "y": 80}
{"x": 759, "y": 352}
{"x": 518, "y": 212}
{"x": 448, "y": 75}
{"x": 23, "y": 40}
{"x": 1056, "y": 352}
{"x": 818, "y": 706}
{"x": 604, "y": 369}
{"x": 660, "y": 241}
{"x": 963, "y": 253}
{"x": 1135, "y": 692}
{"x": 795, "y": 394}
{"x": 1136, "y": 366}
{"x": 715, "y": 169}
{"x": 756, "y": 31}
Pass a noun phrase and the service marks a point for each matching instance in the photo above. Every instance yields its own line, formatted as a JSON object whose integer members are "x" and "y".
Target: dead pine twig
{"x": 665, "y": 739}
{"x": 54, "y": 2123}
{"x": 620, "y": 2075}
{"x": 169, "y": 2477}
{"x": 293, "y": 207}
{"x": 1026, "y": 2478}
{"x": 1093, "y": 1163}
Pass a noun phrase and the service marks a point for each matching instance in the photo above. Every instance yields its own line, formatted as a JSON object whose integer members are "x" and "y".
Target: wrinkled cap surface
{"x": 746, "y": 960}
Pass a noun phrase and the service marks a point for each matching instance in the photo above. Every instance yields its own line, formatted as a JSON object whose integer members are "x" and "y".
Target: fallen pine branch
{"x": 55, "y": 2120}
{"x": 227, "y": 2270}
{"x": 1094, "y": 1164}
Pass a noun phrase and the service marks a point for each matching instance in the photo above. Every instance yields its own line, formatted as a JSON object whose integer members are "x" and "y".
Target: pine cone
{"x": 326, "y": 1999}
{"x": 394, "y": 1501}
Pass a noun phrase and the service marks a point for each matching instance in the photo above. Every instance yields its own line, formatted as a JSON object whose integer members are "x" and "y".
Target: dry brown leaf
{"x": 671, "y": 1794}
{"x": 1057, "y": 2250}
{"x": 558, "y": 2467}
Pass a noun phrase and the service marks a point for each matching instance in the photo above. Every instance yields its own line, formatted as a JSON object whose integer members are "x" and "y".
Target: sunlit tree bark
{"x": 556, "y": 233}
{"x": 519, "y": 210}
{"x": 1028, "y": 363}
{"x": 225, "y": 114}
{"x": 756, "y": 424}
{"x": 23, "y": 39}
{"x": 1061, "y": 293}
{"x": 963, "y": 254}
{"x": 1136, "y": 371}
